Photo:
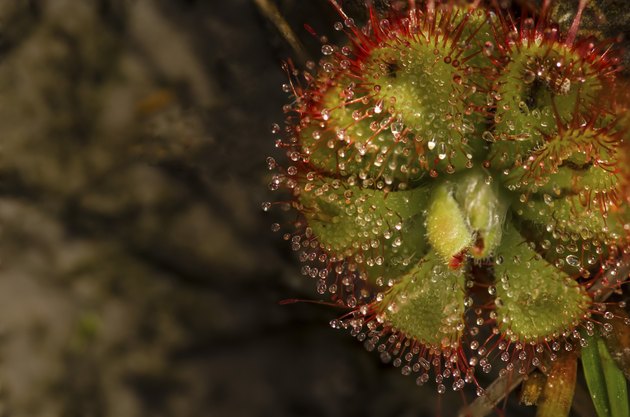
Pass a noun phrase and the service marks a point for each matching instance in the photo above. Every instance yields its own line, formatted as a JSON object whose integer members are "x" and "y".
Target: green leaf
{"x": 447, "y": 227}
{"x": 534, "y": 300}
{"x": 428, "y": 303}
{"x": 605, "y": 381}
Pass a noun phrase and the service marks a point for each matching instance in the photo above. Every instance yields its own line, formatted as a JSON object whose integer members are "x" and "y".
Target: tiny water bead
{"x": 458, "y": 173}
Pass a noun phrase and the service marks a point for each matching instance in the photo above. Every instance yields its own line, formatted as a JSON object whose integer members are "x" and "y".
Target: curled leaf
{"x": 532, "y": 388}
{"x": 557, "y": 394}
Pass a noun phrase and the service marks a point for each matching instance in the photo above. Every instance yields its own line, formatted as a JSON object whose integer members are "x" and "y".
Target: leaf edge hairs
{"x": 460, "y": 181}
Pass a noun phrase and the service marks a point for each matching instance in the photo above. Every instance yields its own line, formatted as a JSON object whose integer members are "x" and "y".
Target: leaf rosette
{"x": 452, "y": 149}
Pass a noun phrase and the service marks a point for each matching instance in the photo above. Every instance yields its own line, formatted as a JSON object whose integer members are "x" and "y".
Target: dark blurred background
{"x": 138, "y": 274}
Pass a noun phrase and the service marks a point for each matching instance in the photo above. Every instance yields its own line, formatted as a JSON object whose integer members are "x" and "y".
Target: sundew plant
{"x": 459, "y": 175}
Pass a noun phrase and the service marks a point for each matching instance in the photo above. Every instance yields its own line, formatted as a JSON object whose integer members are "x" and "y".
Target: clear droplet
{"x": 529, "y": 76}
{"x": 573, "y": 260}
